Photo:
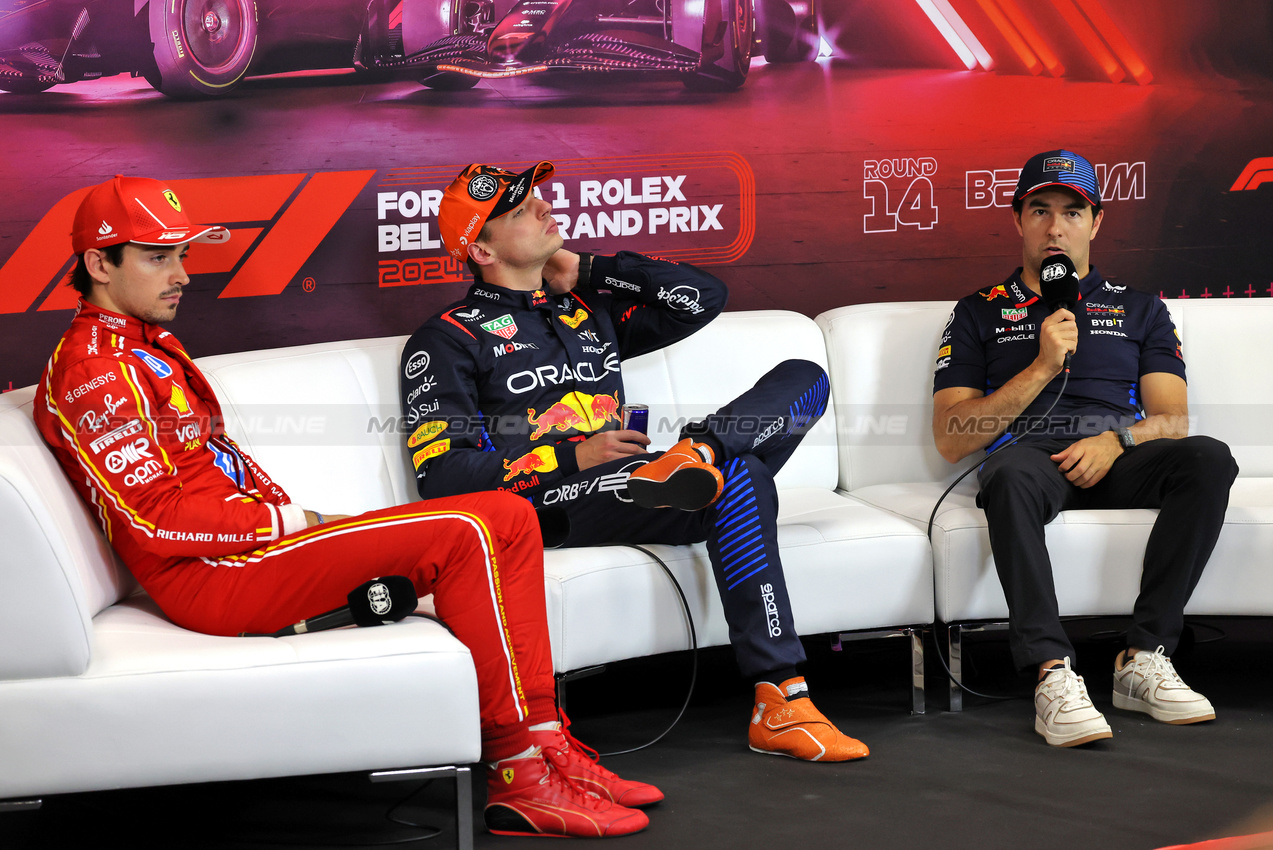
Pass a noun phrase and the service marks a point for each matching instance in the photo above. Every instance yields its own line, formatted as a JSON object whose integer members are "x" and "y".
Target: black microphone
{"x": 1059, "y": 285}
{"x": 378, "y": 602}
{"x": 1059, "y": 282}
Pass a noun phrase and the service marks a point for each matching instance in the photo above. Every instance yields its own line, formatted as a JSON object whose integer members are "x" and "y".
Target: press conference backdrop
{"x": 881, "y": 171}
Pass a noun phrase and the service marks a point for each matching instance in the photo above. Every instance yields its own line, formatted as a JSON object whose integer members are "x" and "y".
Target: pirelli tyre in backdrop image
{"x": 184, "y": 48}
{"x": 205, "y": 48}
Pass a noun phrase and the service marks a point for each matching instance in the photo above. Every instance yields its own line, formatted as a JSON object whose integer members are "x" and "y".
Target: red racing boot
{"x": 683, "y": 477}
{"x": 527, "y": 796}
{"x": 580, "y": 764}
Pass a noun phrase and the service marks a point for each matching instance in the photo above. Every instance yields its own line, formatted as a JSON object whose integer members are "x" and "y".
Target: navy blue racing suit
{"x": 499, "y": 388}
{"x": 1124, "y": 334}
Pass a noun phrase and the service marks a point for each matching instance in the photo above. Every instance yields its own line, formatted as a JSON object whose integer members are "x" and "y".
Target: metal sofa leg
{"x": 917, "y": 670}
{"x": 572, "y": 675}
{"x": 954, "y": 647}
{"x": 916, "y": 635}
{"x": 463, "y": 795}
{"x": 20, "y": 805}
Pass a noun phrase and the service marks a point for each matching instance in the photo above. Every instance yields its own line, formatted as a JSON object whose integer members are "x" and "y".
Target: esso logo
{"x": 417, "y": 364}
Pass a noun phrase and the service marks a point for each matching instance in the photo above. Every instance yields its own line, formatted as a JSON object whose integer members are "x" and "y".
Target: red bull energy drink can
{"x": 636, "y": 417}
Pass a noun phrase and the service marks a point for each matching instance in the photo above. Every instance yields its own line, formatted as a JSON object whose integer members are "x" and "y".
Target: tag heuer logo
{"x": 171, "y": 198}
{"x": 1013, "y": 314}
{"x": 503, "y": 326}
{"x": 483, "y": 187}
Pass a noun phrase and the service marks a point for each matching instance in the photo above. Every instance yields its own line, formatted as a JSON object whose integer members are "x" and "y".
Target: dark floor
{"x": 981, "y": 778}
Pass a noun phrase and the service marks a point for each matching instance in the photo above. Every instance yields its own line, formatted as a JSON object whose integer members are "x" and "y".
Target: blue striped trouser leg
{"x": 771, "y": 418}
{"x": 743, "y": 545}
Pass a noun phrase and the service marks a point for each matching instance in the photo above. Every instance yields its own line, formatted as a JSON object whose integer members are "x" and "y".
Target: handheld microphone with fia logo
{"x": 1059, "y": 286}
{"x": 378, "y": 602}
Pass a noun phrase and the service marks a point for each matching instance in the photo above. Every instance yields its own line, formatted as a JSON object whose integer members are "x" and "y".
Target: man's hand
{"x": 1058, "y": 336}
{"x": 562, "y": 272}
{"x": 1085, "y": 463}
{"x": 609, "y": 445}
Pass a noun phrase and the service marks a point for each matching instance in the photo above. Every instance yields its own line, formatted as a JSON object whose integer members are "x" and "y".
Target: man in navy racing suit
{"x": 518, "y": 387}
{"x": 1117, "y": 438}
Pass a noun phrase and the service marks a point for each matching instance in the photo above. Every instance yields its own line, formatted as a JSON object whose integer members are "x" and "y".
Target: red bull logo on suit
{"x": 575, "y": 411}
{"x": 542, "y": 459}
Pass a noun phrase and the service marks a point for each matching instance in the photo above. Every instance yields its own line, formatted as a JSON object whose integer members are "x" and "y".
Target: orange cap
{"x": 479, "y": 194}
{"x": 136, "y": 209}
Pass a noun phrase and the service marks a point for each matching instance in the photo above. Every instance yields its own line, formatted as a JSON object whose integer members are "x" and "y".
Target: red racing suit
{"x": 222, "y": 549}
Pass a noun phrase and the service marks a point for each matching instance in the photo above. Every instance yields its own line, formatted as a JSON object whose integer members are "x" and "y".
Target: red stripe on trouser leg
{"x": 480, "y": 556}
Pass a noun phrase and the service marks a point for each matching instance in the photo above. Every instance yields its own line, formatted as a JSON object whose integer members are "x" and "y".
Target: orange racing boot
{"x": 684, "y": 477}
{"x": 797, "y": 729}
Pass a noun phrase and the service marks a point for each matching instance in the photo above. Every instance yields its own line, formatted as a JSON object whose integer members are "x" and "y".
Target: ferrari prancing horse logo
{"x": 171, "y": 198}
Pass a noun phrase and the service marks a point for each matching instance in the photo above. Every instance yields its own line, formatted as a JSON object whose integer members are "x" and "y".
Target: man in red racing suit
{"x": 222, "y": 549}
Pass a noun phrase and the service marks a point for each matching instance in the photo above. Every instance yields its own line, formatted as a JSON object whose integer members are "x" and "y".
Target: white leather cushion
{"x": 696, "y": 376}
{"x": 1096, "y": 555}
{"x": 1225, "y": 346}
{"x": 848, "y": 566}
{"x": 159, "y": 705}
{"x": 322, "y": 420}
{"x": 882, "y": 359}
{"x": 59, "y": 570}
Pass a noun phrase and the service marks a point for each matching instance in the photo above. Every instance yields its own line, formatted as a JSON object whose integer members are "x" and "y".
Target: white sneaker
{"x": 1064, "y": 714}
{"x": 1150, "y": 684}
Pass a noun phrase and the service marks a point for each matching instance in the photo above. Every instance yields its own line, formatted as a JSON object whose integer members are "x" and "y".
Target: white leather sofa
{"x": 304, "y": 414}
{"x": 98, "y": 690}
{"x": 881, "y": 368}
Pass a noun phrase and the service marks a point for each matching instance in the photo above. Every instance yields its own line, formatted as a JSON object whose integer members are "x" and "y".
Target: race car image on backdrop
{"x": 204, "y": 48}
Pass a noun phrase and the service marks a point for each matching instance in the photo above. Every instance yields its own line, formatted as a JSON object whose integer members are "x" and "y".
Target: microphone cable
{"x": 1065, "y": 380}
{"x": 689, "y": 622}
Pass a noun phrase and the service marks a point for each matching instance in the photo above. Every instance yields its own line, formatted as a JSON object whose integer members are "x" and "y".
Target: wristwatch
{"x": 1125, "y": 438}
{"x": 585, "y": 269}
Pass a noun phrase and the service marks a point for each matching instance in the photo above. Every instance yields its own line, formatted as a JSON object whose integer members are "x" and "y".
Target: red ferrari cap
{"x": 136, "y": 209}
{"x": 479, "y": 194}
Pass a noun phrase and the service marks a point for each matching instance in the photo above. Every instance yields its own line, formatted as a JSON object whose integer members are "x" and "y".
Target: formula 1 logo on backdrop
{"x": 1122, "y": 181}
{"x": 901, "y": 193}
{"x": 1257, "y": 172}
{"x": 278, "y": 220}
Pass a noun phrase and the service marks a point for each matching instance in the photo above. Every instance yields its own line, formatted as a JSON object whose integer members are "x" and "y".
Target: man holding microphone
{"x": 1117, "y": 438}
